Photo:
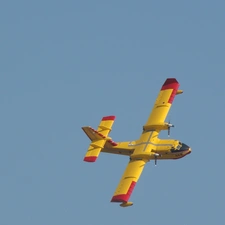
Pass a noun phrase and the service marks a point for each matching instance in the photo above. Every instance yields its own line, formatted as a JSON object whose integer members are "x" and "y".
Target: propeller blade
{"x": 169, "y": 126}
{"x": 156, "y": 154}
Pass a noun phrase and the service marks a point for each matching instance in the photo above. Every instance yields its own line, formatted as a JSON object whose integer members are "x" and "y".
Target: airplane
{"x": 148, "y": 147}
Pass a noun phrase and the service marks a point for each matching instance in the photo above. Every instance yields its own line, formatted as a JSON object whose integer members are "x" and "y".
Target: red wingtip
{"x": 90, "y": 158}
{"x": 124, "y": 197}
{"x": 120, "y": 198}
{"x": 170, "y": 83}
{"x": 108, "y": 118}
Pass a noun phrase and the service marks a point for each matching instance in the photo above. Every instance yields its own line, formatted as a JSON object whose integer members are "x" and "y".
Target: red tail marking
{"x": 112, "y": 143}
{"x": 95, "y": 131}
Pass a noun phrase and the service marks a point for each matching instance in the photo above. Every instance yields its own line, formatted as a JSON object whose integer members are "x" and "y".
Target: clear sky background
{"x": 65, "y": 64}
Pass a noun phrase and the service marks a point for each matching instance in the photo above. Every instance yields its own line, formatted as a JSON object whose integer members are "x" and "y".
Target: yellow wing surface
{"x": 155, "y": 122}
{"x": 128, "y": 181}
{"x": 98, "y": 138}
{"x": 163, "y": 103}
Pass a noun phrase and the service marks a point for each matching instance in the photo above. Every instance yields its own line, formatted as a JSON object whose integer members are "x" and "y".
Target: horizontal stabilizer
{"x": 98, "y": 138}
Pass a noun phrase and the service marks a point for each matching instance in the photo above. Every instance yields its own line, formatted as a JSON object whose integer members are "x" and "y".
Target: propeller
{"x": 156, "y": 155}
{"x": 169, "y": 126}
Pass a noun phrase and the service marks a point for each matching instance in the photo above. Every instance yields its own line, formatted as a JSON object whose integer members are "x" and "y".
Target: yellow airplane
{"x": 147, "y": 147}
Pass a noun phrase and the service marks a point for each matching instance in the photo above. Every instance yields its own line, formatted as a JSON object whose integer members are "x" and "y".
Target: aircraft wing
{"x": 163, "y": 102}
{"x": 128, "y": 181}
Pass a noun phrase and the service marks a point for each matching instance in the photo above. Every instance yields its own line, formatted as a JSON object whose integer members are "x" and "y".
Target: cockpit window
{"x": 179, "y": 146}
{"x": 184, "y": 147}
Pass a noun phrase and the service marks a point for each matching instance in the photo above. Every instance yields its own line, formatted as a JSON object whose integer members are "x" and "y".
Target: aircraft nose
{"x": 184, "y": 147}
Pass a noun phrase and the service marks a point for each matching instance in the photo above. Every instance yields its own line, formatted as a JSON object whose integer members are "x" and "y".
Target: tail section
{"x": 98, "y": 138}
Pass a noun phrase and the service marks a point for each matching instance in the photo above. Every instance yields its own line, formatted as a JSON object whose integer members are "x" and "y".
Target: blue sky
{"x": 65, "y": 64}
